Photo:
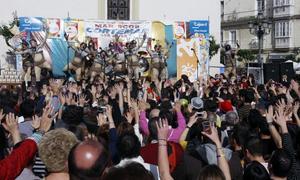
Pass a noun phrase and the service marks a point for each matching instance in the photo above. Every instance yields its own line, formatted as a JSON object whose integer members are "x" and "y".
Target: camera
{"x": 101, "y": 109}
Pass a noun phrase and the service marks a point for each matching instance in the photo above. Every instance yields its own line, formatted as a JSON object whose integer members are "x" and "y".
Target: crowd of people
{"x": 216, "y": 128}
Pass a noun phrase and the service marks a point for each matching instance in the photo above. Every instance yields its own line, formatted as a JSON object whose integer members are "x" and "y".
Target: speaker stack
{"x": 273, "y": 71}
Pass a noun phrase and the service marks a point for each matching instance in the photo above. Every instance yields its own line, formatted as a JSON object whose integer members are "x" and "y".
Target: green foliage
{"x": 245, "y": 55}
{"x": 291, "y": 57}
{"x": 213, "y": 46}
{"x": 4, "y": 31}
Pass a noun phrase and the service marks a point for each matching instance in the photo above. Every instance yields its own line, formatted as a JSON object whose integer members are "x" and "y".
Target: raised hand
{"x": 101, "y": 119}
{"x": 129, "y": 117}
{"x": 270, "y": 114}
{"x": 36, "y": 122}
{"x": 213, "y": 136}
{"x": 2, "y": 115}
{"x": 134, "y": 103}
{"x": 177, "y": 106}
{"x": 93, "y": 90}
{"x": 90, "y": 137}
{"x": 162, "y": 129}
{"x": 11, "y": 125}
{"x": 47, "y": 118}
{"x": 82, "y": 100}
{"x": 281, "y": 117}
{"x": 142, "y": 105}
{"x": 295, "y": 108}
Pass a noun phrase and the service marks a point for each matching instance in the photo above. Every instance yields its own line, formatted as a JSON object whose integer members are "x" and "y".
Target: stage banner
{"x": 179, "y": 29}
{"x": 106, "y": 31}
{"x": 198, "y": 28}
{"x": 31, "y": 24}
{"x": 188, "y": 51}
{"x": 186, "y": 58}
{"x": 55, "y": 28}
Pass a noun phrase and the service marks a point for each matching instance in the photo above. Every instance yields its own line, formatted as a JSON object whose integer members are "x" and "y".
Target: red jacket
{"x": 12, "y": 166}
{"x": 150, "y": 154}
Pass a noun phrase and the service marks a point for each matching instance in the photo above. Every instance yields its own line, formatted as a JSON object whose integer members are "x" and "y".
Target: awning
{"x": 278, "y": 56}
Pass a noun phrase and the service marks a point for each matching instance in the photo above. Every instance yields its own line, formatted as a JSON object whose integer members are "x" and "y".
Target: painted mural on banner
{"x": 189, "y": 51}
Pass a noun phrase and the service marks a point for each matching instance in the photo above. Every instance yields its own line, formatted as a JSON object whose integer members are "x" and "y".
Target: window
{"x": 261, "y": 5}
{"x": 282, "y": 29}
{"x": 233, "y": 37}
{"x": 282, "y": 2}
{"x": 118, "y": 9}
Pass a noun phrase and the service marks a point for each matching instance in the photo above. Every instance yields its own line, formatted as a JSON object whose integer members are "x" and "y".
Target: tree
{"x": 213, "y": 46}
{"x": 245, "y": 55}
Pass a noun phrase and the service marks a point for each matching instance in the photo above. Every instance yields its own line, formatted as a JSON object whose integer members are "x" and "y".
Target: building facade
{"x": 284, "y": 15}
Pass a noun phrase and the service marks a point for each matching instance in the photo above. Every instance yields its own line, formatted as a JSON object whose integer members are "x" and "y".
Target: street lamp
{"x": 260, "y": 27}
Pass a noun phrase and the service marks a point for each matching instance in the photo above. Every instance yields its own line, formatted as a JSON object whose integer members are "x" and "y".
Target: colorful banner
{"x": 182, "y": 60}
{"x": 186, "y": 58}
{"x": 71, "y": 29}
{"x": 188, "y": 52}
{"x": 55, "y": 29}
{"x": 105, "y": 31}
{"x": 199, "y": 28}
{"x": 179, "y": 29}
{"x": 30, "y": 24}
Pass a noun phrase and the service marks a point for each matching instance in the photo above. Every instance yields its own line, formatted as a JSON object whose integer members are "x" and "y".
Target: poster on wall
{"x": 54, "y": 25}
{"x": 71, "y": 29}
{"x": 179, "y": 29}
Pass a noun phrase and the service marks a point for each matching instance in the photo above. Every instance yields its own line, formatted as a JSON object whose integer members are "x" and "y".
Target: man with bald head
{"x": 88, "y": 160}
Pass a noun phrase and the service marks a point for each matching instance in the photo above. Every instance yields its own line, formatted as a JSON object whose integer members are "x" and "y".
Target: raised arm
{"x": 142, "y": 119}
{"x": 281, "y": 119}
{"x": 70, "y": 44}
{"x": 163, "y": 161}
{"x": 274, "y": 133}
{"x": 176, "y": 133}
{"x": 222, "y": 162}
{"x": 45, "y": 39}
{"x": 141, "y": 43}
{"x": 120, "y": 88}
{"x": 148, "y": 47}
{"x": 295, "y": 113}
{"x": 191, "y": 122}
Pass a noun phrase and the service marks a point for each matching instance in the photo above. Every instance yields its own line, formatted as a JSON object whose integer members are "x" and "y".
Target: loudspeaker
{"x": 272, "y": 71}
{"x": 287, "y": 69}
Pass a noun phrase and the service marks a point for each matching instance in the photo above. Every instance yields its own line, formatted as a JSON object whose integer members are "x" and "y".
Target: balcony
{"x": 283, "y": 10}
{"x": 283, "y": 42}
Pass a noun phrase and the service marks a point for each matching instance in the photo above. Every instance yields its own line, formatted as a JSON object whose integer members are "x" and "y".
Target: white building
{"x": 161, "y": 10}
{"x": 284, "y": 38}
